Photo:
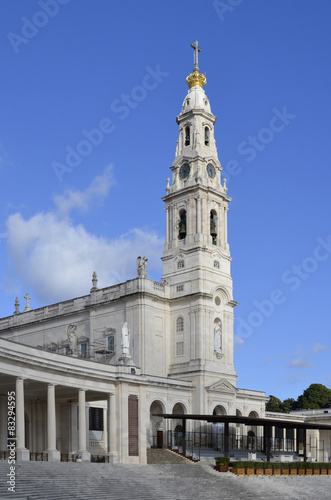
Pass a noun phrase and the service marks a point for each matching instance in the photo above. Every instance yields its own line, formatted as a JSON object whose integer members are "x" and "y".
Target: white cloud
{"x": 97, "y": 190}
{"x": 54, "y": 258}
{"x": 319, "y": 347}
{"x": 301, "y": 359}
{"x": 294, "y": 379}
{"x": 300, "y": 363}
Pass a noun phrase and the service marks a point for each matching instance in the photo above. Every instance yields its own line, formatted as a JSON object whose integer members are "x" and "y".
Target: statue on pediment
{"x": 72, "y": 338}
{"x": 142, "y": 267}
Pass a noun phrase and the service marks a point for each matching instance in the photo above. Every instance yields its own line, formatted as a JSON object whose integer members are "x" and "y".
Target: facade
{"x": 90, "y": 375}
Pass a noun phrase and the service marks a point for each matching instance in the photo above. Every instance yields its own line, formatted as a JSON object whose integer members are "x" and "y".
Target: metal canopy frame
{"x": 266, "y": 423}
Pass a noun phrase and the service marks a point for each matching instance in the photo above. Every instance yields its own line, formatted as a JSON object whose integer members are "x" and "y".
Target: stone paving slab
{"x": 88, "y": 481}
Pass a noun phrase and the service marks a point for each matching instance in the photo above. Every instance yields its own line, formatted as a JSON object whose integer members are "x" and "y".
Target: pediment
{"x": 82, "y": 339}
{"x": 222, "y": 385}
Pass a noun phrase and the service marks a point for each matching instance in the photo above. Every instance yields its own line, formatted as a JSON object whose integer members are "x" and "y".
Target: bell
{"x": 182, "y": 228}
{"x": 213, "y": 228}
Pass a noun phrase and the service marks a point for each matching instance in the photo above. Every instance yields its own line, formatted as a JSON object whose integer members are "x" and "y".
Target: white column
{"x": 167, "y": 225}
{"x": 53, "y": 453}
{"x": 174, "y": 217}
{"x": 198, "y": 198}
{"x": 84, "y": 454}
{"x": 225, "y": 227}
{"x": 198, "y": 353}
{"x": 112, "y": 428}
{"x": 21, "y": 452}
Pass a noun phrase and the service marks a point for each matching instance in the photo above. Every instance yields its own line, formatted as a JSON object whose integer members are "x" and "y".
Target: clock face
{"x": 184, "y": 171}
{"x": 211, "y": 170}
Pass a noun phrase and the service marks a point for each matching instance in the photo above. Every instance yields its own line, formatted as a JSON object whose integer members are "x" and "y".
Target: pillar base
{"x": 113, "y": 458}
{"x": 22, "y": 454}
{"x": 53, "y": 455}
{"x": 83, "y": 456}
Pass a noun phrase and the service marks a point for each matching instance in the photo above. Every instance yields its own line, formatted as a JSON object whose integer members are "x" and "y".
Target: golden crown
{"x": 196, "y": 79}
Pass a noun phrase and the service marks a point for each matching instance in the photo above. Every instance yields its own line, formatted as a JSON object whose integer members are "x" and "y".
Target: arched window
{"x": 182, "y": 225}
{"x": 206, "y": 136}
{"x": 180, "y": 264}
{"x": 180, "y": 324}
{"x": 213, "y": 226}
{"x": 219, "y": 410}
{"x": 187, "y": 136}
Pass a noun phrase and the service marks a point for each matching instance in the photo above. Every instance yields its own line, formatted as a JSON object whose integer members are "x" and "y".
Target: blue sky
{"x": 107, "y": 79}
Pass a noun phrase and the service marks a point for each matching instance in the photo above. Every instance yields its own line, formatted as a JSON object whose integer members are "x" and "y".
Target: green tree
{"x": 288, "y": 405}
{"x": 316, "y": 396}
{"x": 273, "y": 404}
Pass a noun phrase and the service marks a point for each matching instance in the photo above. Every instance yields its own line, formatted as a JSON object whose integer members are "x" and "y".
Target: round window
{"x": 217, "y": 301}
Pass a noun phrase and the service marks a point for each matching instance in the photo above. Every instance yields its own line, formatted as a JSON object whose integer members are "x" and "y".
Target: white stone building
{"x": 89, "y": 374}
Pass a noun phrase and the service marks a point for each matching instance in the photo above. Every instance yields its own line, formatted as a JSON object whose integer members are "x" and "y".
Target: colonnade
{"x": 54, "y": 455}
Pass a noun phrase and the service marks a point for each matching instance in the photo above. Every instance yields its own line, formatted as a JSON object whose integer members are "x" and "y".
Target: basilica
{"x": 92, "y": 376}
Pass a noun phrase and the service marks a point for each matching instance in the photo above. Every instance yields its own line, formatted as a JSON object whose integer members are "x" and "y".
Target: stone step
{"x": 163, "y": 456}
{"x": 87, "y": 481}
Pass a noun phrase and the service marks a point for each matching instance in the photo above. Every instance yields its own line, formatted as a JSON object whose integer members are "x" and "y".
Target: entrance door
{"x": 159, "y": 439}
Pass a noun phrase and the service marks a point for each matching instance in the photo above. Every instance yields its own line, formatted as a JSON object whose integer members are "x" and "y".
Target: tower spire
{"x": 196, "y": 79}
{"x": 197, "y": 49}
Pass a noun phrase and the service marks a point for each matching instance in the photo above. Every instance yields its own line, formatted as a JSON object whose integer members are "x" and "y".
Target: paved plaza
{"x": 166, "y": 481}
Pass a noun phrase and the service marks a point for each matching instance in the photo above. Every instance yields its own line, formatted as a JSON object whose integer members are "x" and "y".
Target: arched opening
{"x": 187, "y": 136}
{"x": 178, "y": 409}
{"x": 219, "y": 410}
{"x": 206, "y": 136}
{"x": 178, "y": 433}
{"x": 218, "y": 429}
{"x": 253, "y": 414}
{"x": 155, "y": 431}
{"x": 182, "y": 225}
{"x": 213, "y": 226}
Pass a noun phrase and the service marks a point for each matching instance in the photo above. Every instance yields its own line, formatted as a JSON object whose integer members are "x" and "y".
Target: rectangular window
{"x": 179, "y": 348}
{"x": 83, "y": 349}
{"x": 96, "y": 419}
{"x": 111, "y": 343}
{"x": 180, "y": 288}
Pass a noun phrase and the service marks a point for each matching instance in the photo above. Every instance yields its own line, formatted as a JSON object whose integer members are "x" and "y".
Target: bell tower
{"x": 196, "y": 257}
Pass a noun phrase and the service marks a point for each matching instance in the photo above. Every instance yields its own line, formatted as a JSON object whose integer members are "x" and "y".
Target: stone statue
{"x": 218, "y": 338}
{"x": 72, "y": 338}
{"x": 125, "y": 341}
{"x": 142, "y": 267}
